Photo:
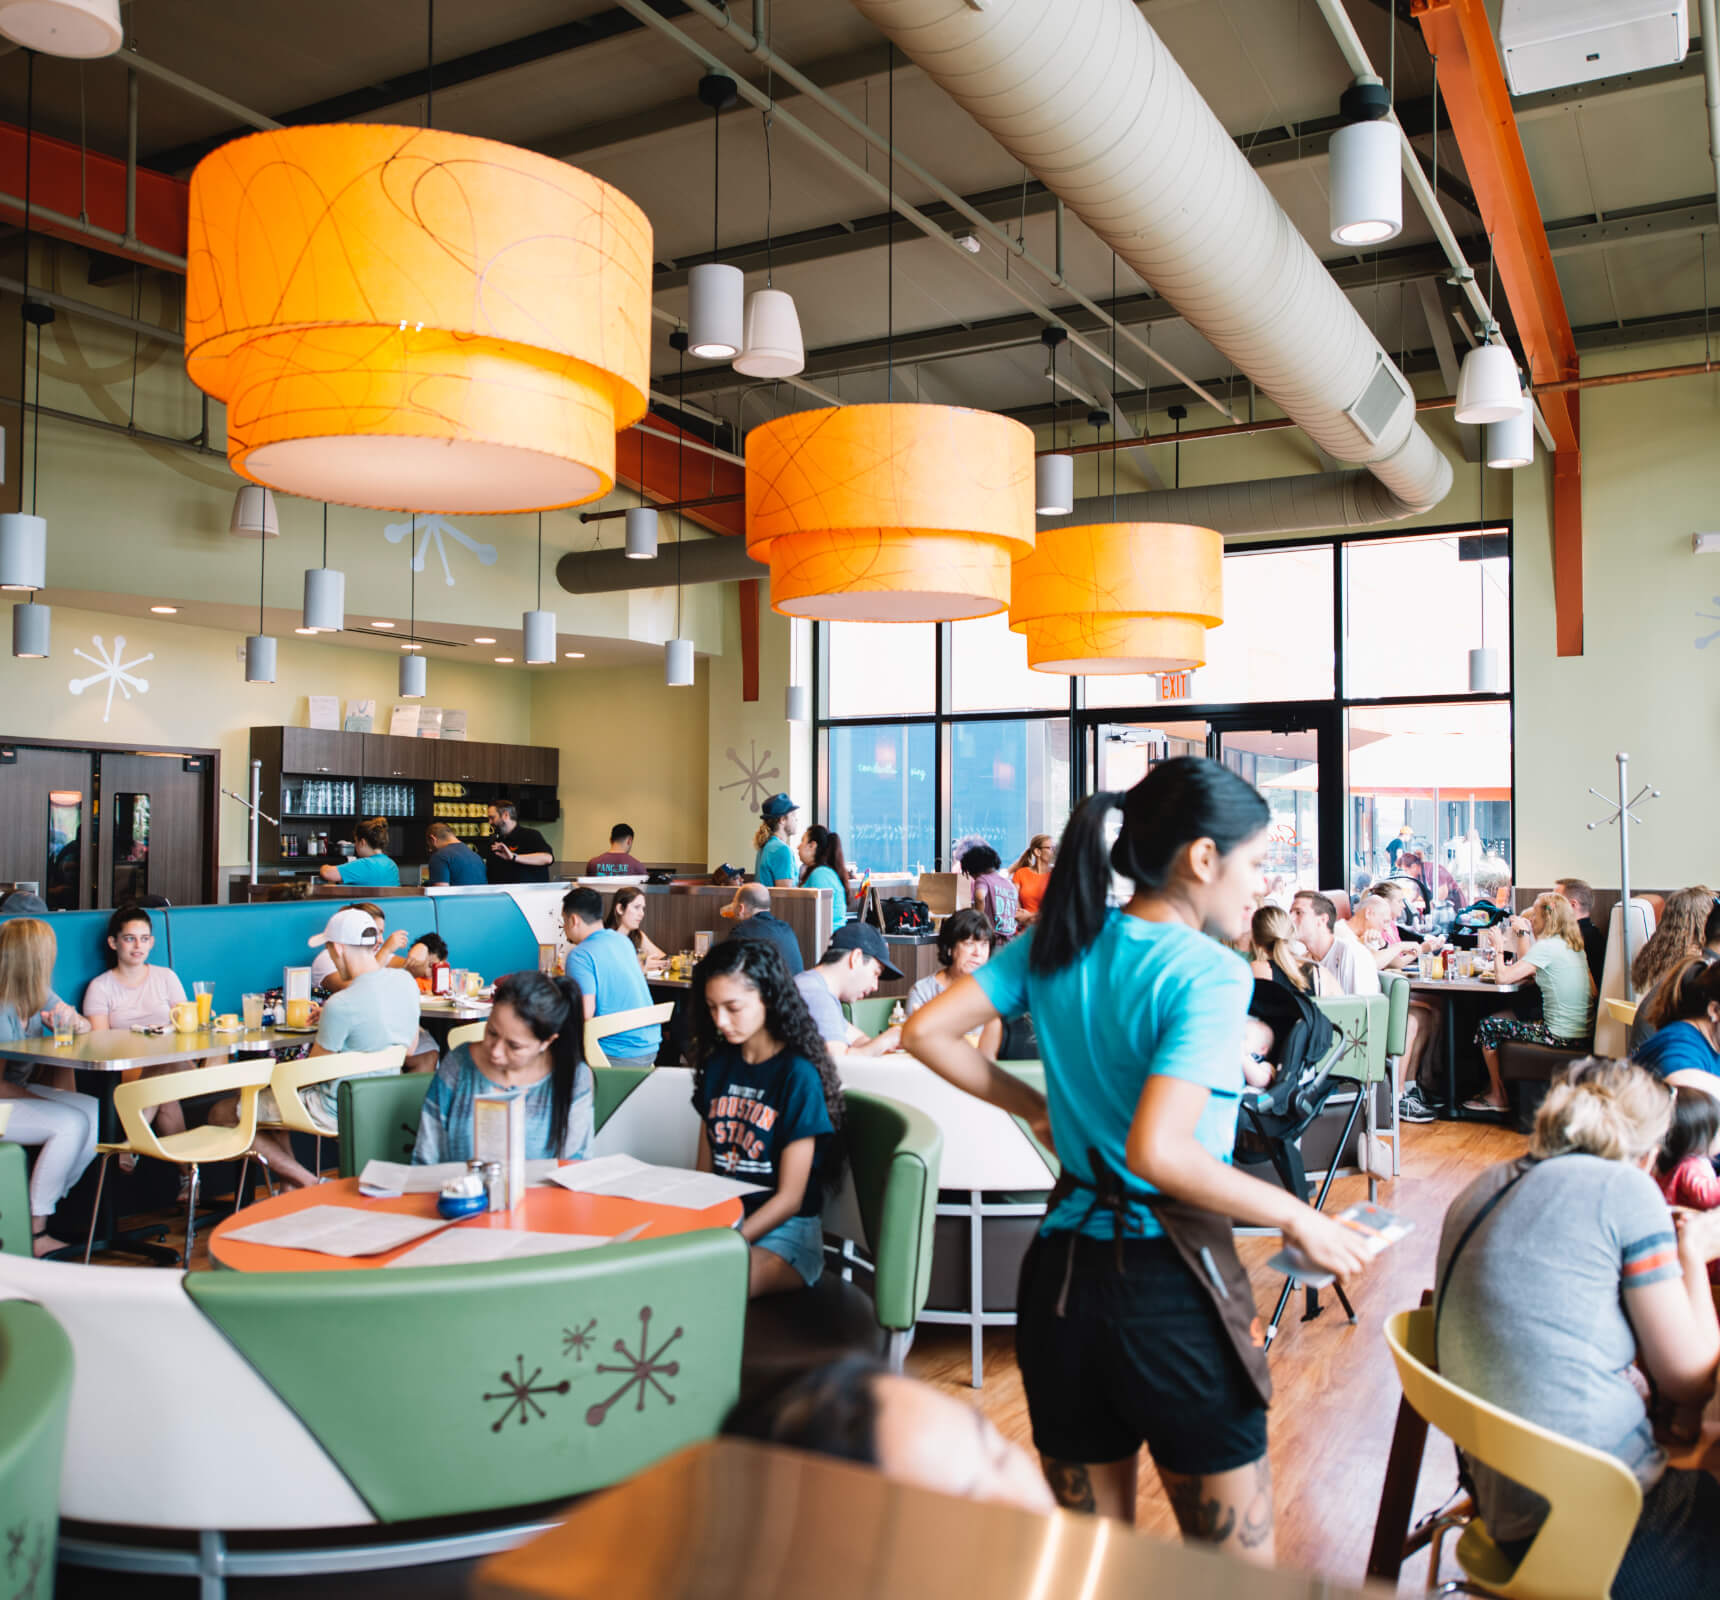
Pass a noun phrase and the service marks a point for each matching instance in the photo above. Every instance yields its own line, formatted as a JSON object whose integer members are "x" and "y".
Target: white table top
{"x": 121, "y": 1050}
{"x": 1463, "y": 986}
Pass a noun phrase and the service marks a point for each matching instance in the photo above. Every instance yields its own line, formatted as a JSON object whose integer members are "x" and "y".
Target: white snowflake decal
{"x": 1708, "y": 616}
{"x": 440, "y": 529}
{"x": 115, "y": 671}
{"x": 755, "y": 777}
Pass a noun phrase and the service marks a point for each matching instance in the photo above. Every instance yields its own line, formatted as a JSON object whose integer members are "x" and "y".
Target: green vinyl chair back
{"x": 35, "y": 1395}
{"x": 1361, "y": 1047}
{"x": 894, "y": 1152}
{"x": 378, "y": 1118}
{"x": 443, "y": 1390}
{"x": 15, "y": 1224}
{"x": 1398, "y": 996}
{"x": 610, "y": 1087}
{"x": 871, "y": 1015}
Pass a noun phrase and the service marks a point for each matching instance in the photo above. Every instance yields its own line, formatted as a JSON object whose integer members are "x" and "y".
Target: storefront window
{"x": 876, "y": 669}
{"x": 989, "y": 671}
{"x": 883, "y": 795}
{"x": 1008, "y": 781}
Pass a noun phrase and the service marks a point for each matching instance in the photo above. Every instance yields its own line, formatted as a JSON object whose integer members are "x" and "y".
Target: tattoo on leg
{"x": 1199, "y": 1515}
{"x": 1071, "y": 1485}
{"x": 1257, "y": 1519}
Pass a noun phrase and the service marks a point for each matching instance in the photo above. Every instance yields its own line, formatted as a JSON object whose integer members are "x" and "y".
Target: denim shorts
{"x": 800, "y": 1242}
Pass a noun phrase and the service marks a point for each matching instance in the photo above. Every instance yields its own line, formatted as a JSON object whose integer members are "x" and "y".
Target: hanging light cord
{"x": 262, "y": 574}
{"x": 1115, "y": 408}
{"x": 429, "y": 62}
{"x": 23, "y": 344}
{"x": 412, "y": 581}
{"x": 716, "y": 173}
{"x": 540, "y": 562}
{"x": 325, "y": 533}
{"x": 890, "y": 227}
{"x": 680, "y": 475}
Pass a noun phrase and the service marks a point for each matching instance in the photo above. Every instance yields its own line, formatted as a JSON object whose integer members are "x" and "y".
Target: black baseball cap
{"x": 862, "y": 936}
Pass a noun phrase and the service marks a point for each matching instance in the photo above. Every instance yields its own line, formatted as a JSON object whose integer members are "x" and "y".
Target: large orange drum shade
{"x": 414, "y": 320}
{"x": 890, "y": 513}
{"x": 1119, "y": 597}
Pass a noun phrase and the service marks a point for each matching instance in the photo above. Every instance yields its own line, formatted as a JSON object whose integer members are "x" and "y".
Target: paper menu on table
{"x": 338, "y": 1230}
{"x": 458, "y": 1247}
{"x": 385, "y": 1180}
{"x": 325, "y": 710}
{"x": 629, "y": 1179}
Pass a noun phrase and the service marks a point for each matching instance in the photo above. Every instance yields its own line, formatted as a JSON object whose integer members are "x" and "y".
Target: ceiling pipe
{"x": 697, "y": 561}
{"x": 1300, "y": 504}
{"x": 210, "y": 97}
{"x": 1086, "y": 95}
{"x": 1710, "y": 12}
{"x": 752, "y": 41}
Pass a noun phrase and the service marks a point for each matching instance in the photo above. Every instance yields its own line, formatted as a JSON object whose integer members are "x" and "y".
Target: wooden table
{"x": 99, "y": 1057}
{"x": 1446, "y": 991}
{"x": 732, "y": 1520}
{"x": 547, "y": 1209}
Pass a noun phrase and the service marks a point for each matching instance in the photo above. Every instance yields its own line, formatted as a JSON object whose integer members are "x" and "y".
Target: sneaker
{"x": 1412, "y": 1108}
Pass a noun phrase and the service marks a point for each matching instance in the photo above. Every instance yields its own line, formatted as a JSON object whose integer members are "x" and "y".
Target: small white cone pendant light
{"x": 31, "y": 629}
{"x": 79, "y": 30}
{"x": 1484, "y": 671}
{"x": 1053, "y": 476}
{"x": 259, "y": 647}
{"x": 678, "y": 652}
{"x": 539, "y": 625}
{"x": 254, "y": 514}
{"x": 1365, "y": 155}
{"x": 716, "y": 294}
{"x": 325, "y": 592}
{"x": 1511, "y": 443}
{"x": 23, "y": 551}
{"x": 641, "y": 533}
{"x": 414, "y": 673}
{"x": 798, "y": 703}
{"x": 773, "y": 347}
{"x": 678, "y": 664}
{"x": 1487, "y": 387}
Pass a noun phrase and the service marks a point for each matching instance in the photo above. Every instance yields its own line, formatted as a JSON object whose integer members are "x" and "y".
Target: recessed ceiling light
{"x": 304, "y": 630}
{"x": 382, "y": 624}
{"x": 505, "y": 661}
{"x": 575, "y": 655}
{"x": 165, "y": 611}
{"x": 482, "y": 638}
{"x": 412, "y": 647}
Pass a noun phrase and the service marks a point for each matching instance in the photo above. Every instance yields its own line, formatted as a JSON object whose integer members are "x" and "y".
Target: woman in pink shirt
{"x": 132, "y": 993}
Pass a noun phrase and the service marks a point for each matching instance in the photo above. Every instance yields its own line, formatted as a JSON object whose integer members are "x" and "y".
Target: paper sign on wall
{"x": 429, "y": 722}
{"x": 325, "y": 711}
{"x": 360, "y": 716}
{"x": 453, "y": 724}
{"x": 404, "y": 723}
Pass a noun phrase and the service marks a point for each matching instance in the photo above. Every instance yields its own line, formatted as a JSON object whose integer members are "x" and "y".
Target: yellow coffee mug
{"x": 185, "y": 1017}
{"x": 228, "y": 1022}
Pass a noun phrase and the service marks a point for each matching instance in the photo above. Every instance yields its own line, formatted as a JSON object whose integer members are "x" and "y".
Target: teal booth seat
{"x": 445, "y": 1390}
{"x": 486, "y": 931}
{"x": 81, "y": 938}
{"x": 35, "y": 1397}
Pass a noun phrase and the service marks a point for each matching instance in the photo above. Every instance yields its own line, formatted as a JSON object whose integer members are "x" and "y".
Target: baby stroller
{"x": 1306, "y": 1047}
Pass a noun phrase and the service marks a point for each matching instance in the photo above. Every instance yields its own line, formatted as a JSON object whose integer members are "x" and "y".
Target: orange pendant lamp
{"x": 1119, "y": 597}
{"x": 415, "y": 320}
{"x": 890, "y": 513}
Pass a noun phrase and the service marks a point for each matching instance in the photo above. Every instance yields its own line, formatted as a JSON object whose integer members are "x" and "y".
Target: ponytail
{"x": 1179, "y": 801}
{"x": 551, "y": 1007}
{"x": 763, "y": 835}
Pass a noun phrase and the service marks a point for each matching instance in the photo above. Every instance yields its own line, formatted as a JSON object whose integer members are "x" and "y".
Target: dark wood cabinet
{"x": 315, "y": 750}
{"x": 389, "y": 757}
{"x": 537, "y": 764}
{"x": 469, "y": 760}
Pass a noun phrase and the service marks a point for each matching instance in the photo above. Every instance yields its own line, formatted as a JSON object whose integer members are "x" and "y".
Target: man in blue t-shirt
{"x": 605, "y": 966}
{"x": 452, "y": 860}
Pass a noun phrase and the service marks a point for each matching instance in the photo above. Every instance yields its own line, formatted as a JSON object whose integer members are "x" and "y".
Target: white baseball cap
{"x": 349, "y": 926}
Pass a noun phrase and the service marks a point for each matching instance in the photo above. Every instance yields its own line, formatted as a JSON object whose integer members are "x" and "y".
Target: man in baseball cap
{"x": 775, "y": 863}
{"x": 852, "y": 968}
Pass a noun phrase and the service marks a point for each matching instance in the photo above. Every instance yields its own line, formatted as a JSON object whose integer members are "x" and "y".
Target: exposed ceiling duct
{"x": 1085, "y": 94}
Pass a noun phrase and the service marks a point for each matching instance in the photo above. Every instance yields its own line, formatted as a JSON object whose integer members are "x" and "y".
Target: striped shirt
{"x": 445, "y": 1128}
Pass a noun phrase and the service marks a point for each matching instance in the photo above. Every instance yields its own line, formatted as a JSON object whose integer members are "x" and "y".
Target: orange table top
{"x": 547, "y": 1209}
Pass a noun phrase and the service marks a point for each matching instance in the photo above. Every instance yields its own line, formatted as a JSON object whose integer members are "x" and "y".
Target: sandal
{"x": 1482, "y": 1103}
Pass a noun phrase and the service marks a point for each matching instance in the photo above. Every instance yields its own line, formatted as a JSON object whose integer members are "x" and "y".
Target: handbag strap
{"x": 1469, "y": 1233}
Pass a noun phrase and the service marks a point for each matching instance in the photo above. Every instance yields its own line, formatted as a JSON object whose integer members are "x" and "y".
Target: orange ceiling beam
{"x": 659, "y": 476}
{"x": 1472, "y": 83}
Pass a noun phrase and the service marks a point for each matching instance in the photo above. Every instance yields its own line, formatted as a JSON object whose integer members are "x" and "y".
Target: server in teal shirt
{"x": 1140, "y": 1014}
{"x": 776, "y": 864}
{"x": 371, "y": 864}
{"x": 823, "y": 867}
{"x": 605, "y": 966}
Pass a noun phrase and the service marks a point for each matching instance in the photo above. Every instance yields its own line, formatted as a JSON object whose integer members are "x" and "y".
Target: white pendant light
{"x": 1511, "y": 443}
{"x": 1484, "y": 671}
{"x": 80, "y": 30}
{"x": 1365, "y": 157}
{"x": 772, "y": 347}
{"x": 539, "y": 625}
{"x": 641, "y": 533}
{"x": 798, "y": 703}
{"x": 414, "y": 675}
{"x": 716, "y": 311}
{"x": 678, "y": 664}
{"x": 254, "y": 514}
{"x": 23, "y": 551}
{"x": 1487, "y": 387}
{"x": 1053, "y": 476}
{"x": 259, "y": 659}
{"x": 678, "y": 652}
{"x": 30, "y": 629}
{"x": 325, "y": 593}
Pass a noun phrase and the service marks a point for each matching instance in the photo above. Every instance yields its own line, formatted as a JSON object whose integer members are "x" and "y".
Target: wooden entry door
{"x": 153, "y": 838}
{"x": 47, "y": 810}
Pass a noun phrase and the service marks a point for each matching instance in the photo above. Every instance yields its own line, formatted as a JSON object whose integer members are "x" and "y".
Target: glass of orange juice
{"x": 205, "y": 993}
{"x": 296, "y": 986}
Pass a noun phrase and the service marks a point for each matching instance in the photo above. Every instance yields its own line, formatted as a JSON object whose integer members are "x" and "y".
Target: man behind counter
{"x": 516, "y": 854}
{"x": 618, "y": 860}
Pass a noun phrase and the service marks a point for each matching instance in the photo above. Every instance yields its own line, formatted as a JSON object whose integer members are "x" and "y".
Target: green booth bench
{"x": 243, "y": 949}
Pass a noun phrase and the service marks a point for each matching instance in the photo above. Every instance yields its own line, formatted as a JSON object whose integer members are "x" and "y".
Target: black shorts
{"x": 1140, "y": 1357}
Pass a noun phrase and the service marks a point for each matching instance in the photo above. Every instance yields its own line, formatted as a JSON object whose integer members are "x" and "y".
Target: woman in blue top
{"x": 770, "y": 1104}
{"x": 774, "y": 863}
{"x": 1140, "y": 1015}
{"x": 823, "y": 867}
{"x": 533, "y": 1046}
{"x": 1685, "y": 1049}
{"x": 371, "y": 863}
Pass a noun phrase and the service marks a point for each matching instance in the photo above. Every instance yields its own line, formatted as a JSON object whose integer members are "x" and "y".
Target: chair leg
{"x": 190, "y": 1217}
{"x": 901, "y": 1342}
{"x": 96, "y": 1209}
{"x": 1370, "y": 1134}
{"x": 239, "y": 1190}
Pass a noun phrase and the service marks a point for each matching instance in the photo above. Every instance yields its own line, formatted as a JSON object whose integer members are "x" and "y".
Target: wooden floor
{"x": 1335, "y": 1392}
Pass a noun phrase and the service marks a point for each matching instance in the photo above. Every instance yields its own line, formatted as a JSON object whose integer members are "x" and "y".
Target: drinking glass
{"x": 457, "y": 981}
{"x": 205, "y": 993}
{"x": 64, "y": 1031}
{"x": 296, "y": 988}
{"x": 253, "y": 1010}
{"x": 474, "y": 981}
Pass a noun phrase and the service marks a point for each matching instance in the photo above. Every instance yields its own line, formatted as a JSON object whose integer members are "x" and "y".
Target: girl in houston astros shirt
{"x": 771, "y": 1107}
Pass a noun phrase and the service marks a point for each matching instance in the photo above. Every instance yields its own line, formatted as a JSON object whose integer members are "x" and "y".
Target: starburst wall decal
{"x": 755, "y": 776}
{"x": 115, "y": 671}
{"x": 438, "y": 530}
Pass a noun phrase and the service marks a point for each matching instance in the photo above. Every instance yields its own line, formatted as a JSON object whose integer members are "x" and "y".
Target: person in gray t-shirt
{"x": 1556, "y": 1274}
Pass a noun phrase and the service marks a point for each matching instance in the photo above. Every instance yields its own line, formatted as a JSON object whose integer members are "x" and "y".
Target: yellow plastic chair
{"x": 1621, "y": 1010}
{"x": 1594, "y": 1498}
{"x": 470, "y": 1034}
{"x": 287, "y": 1081}
{"x": 193, "y": 1147}
{"x": 597, "y": 1029}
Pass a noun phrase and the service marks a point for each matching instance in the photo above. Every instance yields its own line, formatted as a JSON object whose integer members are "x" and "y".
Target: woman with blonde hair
{"x": 1677, "y": 935}
{"x": 1560, "y": 1271}
{"x": 61, "y": 1121}
{"x": 1270, "y": 942}
{"x": 1546, "y": 945}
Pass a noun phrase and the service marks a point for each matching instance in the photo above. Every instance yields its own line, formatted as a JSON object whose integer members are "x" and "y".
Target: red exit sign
{"x": 1174, "y": 685}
